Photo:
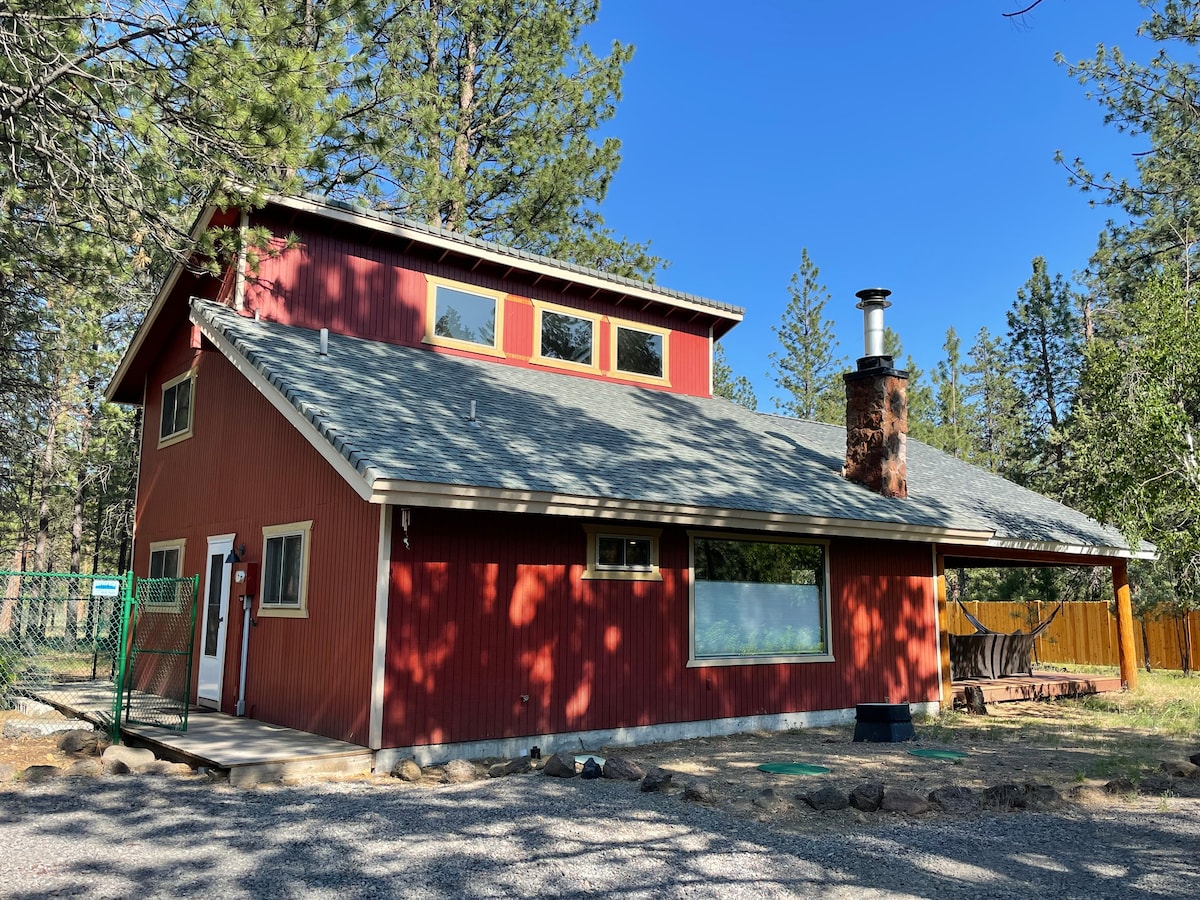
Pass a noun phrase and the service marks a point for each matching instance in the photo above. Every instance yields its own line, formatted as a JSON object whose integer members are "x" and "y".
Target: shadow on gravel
{"x": 532, "y": 835}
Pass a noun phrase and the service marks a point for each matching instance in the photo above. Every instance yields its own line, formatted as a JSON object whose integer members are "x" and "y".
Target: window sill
{"x": 565, "y": 364}
{"x": 759, "y": 660}
{"x": 271, "y": 612}
{"x": 619, "y": 575}
{"x": 174, "y": 439}
{"x": 466, "y": 346}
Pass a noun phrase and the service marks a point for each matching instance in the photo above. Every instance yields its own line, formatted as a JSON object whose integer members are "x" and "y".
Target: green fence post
{"x": 122, "y": 656}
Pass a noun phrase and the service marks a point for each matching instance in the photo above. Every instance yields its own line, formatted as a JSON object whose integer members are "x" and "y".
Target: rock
{"x": 767, "y": 799}
{"x": 114, "y": 767}
{"x": 134, "y": 758}
{"x": 622, "y": 769}
{"x": 27, "y": 706}
{"x": 954, "y": 799}
{"x": 1179, "y": 768}
{"x": 80, "y": 742}
{"x": 826, "y": 798}
{"x": 700, "y": 790}
{"x": 461, "y": 771}
{"x": 591, "y": 769}
{"x": 164, "y": 767}
{"x": 407, "y": 770}
{"x": 867, "y": 797}
{"x": 1005, "y": 796}
{"x": 36, "y": 774}
{"x": 19, "y": 728}
{"x": 560, "y": 766}
{"x": 87, "y": 767}
{"x": 1088, "y": 794}
{"x": 511, "y": 767}
{"x": 656, "y": 780}
{"x": 1041, "y": 796}
{"x": 1119, "y": 786}
{"x": 1155, "y": 784}
{"x": 904, "y": 802}
{"x": 1194, "y": 759}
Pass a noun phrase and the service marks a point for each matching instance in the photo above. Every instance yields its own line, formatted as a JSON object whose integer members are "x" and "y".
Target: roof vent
{"x": 324, "y": 341}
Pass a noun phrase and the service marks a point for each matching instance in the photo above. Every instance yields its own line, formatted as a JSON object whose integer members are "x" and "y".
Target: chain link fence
{"x": 163, "y": 625}
{"x": 62, "y": 641}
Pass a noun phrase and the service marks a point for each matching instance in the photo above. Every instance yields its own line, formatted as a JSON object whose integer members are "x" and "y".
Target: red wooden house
{"x": 495, "y": 504}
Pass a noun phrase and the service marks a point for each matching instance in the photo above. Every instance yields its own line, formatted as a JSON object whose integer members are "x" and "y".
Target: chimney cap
{"x": 873, "y": 297}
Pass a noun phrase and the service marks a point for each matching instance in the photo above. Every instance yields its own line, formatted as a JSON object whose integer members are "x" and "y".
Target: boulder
{"x": 1120, "y": 786}
{"x": 622, "y": 769}
{"x": 867, "y": 797}
{"x": 1041, "y": 796}
{"x": 82, "y": 742}
{"x": 114, "y": 767}
{"x": 656, "y": 780}
{"x": 509, "y": 767}
{"x": 1088, "y": 794}
{"x": 700, "y": 790}
{"x": 407, "y": 770}
{"x": 133, "y": 758}
{"x": 825, "y": 798}
{"x": 36, "y": 774}
{"x": 461, "y": 771}
{"x": 1005, "y": 796}
{"x": 560, "y": 766}
{"x": 1180, "y": 768}
{"x": 1155, "y": 784}
{"x": 1194, "y": 759}
{"x": 87, "y": 767}
{"x": 164, "y": 767}
{"x": 954, "y": 799}
{"x": 904, "y": 802}
{"x": 769, "y": 800}
{"x": 591, "y": 769}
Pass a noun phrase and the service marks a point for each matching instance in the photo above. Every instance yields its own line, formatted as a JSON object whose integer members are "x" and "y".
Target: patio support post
{"x": 943, "y": 625}
{"x": 1125, "y": 644}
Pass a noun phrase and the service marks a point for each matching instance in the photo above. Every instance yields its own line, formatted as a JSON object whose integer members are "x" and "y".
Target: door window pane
{"x": 212, "y": 606}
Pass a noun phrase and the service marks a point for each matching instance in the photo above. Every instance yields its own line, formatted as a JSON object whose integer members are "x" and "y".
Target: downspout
{"x": 247, "y": 601}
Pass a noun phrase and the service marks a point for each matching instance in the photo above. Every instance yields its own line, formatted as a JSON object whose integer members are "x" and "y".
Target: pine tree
{"x": 995, "y": 405}
{"x": 922, "y": 407}
{"x": 952, "y": 413}
{"x": 732, "y": 387}
{"x": 805, "y": 369}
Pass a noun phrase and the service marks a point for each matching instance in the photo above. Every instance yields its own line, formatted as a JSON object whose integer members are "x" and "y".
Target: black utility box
{"x": 883, "y": 723}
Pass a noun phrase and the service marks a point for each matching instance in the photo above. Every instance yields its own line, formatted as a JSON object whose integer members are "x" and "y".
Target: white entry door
{"x": 214, "y": 618}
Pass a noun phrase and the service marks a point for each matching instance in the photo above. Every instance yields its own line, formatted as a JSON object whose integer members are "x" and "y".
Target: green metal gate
{"x": 91, "y": 644}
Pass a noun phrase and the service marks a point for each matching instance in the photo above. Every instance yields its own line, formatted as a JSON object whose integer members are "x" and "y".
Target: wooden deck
{"x": 1038, "y": 686}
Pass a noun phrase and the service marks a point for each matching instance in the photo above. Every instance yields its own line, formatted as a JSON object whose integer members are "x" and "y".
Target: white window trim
{"x": 704, "y": 662}
{"x": 595, "y": 572}
{"x": 664, "y": 333}
{"x": 432, "y": 283}
{"x": 304, "y": 529}
{"x": 179, "y": 544}
{"x": 186, "y": 433}
{"x": 539, "y": 308}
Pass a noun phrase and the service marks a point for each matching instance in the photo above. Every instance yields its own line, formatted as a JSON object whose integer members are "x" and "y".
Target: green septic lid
{"x": 793, "y": 768}
{"x": 929, "y": 753}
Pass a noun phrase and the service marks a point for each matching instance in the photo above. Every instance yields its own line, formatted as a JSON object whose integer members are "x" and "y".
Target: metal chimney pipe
{"x": 324, "y": 341}
{"x": 873, "y": 301}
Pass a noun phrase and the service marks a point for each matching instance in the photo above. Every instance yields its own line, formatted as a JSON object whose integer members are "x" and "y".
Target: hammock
{"x": 993, "y": 654}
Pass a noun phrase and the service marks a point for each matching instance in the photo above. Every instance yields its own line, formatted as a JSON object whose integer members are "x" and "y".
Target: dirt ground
{"x": 20, "y": 753}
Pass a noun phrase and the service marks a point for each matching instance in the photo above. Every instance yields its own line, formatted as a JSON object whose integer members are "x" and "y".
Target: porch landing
{"x": 252, "y": 752}
{"x": 1038, "y": 686}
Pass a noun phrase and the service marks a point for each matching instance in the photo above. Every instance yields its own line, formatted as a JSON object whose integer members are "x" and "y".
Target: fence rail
{"x": 1086, "y": 633}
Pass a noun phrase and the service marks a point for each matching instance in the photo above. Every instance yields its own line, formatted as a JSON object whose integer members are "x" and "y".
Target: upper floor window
{"x": 629, "y": 554}
{"x": 640, "y": 351}
{"x": 565, "y": 337}
{"x": 176, "y": 420}
{"x": 467, "y": 318}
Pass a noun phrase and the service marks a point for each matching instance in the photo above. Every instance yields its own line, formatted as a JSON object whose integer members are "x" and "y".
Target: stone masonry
{"x": 877, "y": 426}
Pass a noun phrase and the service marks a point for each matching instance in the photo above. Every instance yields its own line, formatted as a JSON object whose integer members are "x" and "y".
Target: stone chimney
{"x": 876, "y": 408}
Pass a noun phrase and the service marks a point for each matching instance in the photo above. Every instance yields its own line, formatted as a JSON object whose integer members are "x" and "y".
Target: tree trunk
{"x": 1146, "y": 645}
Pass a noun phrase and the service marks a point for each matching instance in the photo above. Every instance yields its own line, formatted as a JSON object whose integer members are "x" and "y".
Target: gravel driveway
{"x": 536, "y": 836}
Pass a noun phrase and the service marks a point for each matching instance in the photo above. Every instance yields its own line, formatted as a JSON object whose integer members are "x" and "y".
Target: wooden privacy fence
{"x": 1084, "y": 633}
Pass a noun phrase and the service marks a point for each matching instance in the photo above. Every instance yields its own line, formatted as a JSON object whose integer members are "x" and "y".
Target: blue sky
{"x": 906, "y": 145}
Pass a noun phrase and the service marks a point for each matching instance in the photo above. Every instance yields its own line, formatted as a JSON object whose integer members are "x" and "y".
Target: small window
{"x": 285, "y": 570}
{"x": 758, "y": 601}
{"x": 624, "y": 554}
{"x": 166, "y": 561}
{"x": 465, "y": 317}
{"x": 640, "y": 352}
{"x": 564, "y": 337}
{"x": 175, "y": 423}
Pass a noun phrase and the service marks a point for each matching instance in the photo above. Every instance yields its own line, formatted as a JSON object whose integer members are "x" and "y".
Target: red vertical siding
{"x": 373, "y": 291}
{"x": 246, "y": 467}
{"x": 488, "y": 609}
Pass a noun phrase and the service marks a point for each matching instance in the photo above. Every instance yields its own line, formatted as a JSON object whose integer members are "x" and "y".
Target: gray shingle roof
{"x": 400, "y": 413}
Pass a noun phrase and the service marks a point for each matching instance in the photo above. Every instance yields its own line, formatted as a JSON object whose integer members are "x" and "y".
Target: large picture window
{"x": 758, "y": 601}
{"x": 175, "y": 421}
{"x": 640, "y": 352}
{"x": 464, "y": 316}
{"x": 285, "y": 569}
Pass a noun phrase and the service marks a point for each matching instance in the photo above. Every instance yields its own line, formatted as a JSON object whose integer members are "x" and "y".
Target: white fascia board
{"x": 1072, "y": 549}
{"x": 160, "y": 299}
{"x": 551, "y": 271}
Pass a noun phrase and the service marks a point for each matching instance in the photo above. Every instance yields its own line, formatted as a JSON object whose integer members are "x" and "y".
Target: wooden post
{"x": 943, "y": 623}
{"x": 1125, "y": 643}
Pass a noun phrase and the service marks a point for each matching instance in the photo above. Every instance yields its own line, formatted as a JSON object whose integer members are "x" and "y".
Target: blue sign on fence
{"x": 106, "y": 587}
